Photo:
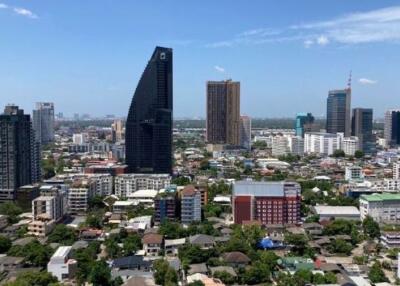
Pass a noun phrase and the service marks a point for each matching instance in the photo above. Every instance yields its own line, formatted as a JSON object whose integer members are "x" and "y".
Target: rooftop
{"x": 336, "y": 210}
{"x": 380, "y": 197}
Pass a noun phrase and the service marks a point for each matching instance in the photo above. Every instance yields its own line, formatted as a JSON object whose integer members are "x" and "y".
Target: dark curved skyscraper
{"x": 148, "y": 135}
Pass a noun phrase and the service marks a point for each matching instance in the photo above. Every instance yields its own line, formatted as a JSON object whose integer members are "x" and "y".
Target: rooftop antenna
{"x": 349, "y": 82}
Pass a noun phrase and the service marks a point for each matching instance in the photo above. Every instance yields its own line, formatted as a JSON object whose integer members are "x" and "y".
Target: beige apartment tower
{"x": 223, "y": 112}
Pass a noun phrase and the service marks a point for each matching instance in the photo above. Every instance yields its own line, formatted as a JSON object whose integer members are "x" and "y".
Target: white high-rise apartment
{"x": 79, "y": 138}
{"x": 321, "y": 143}
{"x": 296, "y": 145}
{"x": 279, "y": 146}
{"x": 43, "y": 122}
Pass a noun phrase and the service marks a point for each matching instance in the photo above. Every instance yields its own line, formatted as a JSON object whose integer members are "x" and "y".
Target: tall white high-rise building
{"x": 43, "y": 122}
{"x": 296, "y": 145}
{"x": 279, "y": 146}
{"x": 350, "y": 145}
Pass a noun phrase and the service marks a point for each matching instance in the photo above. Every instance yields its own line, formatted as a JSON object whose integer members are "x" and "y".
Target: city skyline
{"x": 92, "y": 66}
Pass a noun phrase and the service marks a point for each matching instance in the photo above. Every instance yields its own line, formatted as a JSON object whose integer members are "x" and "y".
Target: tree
{"x": 225, "y": 277}
{"x": 132, "y": 243}
{"x": 303, "y": 276}
{"x": 94, "y": 220}
{"x": 371, "y": 227}
{"x": 359, "y": 154}
{"x": 163, "y": 273}
{"x": 171, "y": 230}
{"x": 37, "y": 278}
{"x": 330, "y": 278}
{"x": 100, "y": 274}
{"x": 257, "y": 273}
{"x": 11, "y": 210}
{"x": 34, "y": 253}
{"x": 340, "y": 246}
{"x": 96, "y": 202}
{"x": 63, "y": 235}
{"x": 85, "y": 258}
{"x": 298, "y": 242}
{"x": 338, "y": 154}
{"x": 5, "y": 244}
{"x": 376, "y": 273}
{"x": 181, "y": 181}
{"x": 339, "y": 226}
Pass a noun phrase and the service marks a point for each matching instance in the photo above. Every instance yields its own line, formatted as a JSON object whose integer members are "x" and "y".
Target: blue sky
{"x": 87, "y": 56}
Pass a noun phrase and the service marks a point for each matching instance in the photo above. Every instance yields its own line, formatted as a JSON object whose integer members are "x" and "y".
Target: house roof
{"x": 172, "y": 242}
{"x": 197, "y": 268}
{"x": 227, "y": 269}
{"x": 152, "y": 238}
{"x": 130, "y": 262}
{"x": 189, "y": 191}
{"x": 236, "y": 257}
{"x": 201, "y": 239}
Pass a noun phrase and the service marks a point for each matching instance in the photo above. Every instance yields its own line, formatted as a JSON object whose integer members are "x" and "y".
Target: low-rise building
{"x": 353, "y": 173}
{"x": 390, "y": 239}
{"x": 79, "y": 195}
{"x": 152, "y": 244}
{"x": 61, "y": 265}
{"x": 383, "y": 208}
{"x": 336, "y": 212}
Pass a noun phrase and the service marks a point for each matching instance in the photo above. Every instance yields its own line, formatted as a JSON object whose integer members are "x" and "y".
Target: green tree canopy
{"x": 376, "y": 273}
{"x": 63, "y": 235}
{"x": 5, "y": 244}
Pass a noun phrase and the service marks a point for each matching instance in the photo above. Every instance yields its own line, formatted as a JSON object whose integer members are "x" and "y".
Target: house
{"x": 202, "y": 240}
{"x": 313, "y": 228}
{"x": 133, "y": 262}
{"x": 207, "y": 281}
{"x": 236, "y": 259}
{"x": 10, "y": 263}
{"x": 227, "y": 269}
{"x": 198, "y": 268}
{"x": 90, "y": 234}
{"x": 152, "y": 243}
{"x": 171, "y": 245}
{"x": 296, "y": 263}
{"x": 61, "y": 265}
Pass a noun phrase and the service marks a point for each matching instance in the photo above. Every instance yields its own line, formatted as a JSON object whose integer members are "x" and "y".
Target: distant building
{"x": 127, "y": 184}
{"x": 43, "y": 122}
{"x": 166, "y": 207}
{"x": 80, "y": 138}
{"x": 61, "y": 265}
{"x": 223, "y": 112}
{"x": 271, "y": 203}
{"x": 336, "y": 212}
{"x": 19, "y": 152}
{"x": 321, "y": 143}
{"x": 296, "y": 145}
{"x": 383, "y": 208}
{"x": 245, "y": 132}
{"x": 361, "y": 127}
{"x": 353, "y": 173}
{"x": 80, "y": 192}
{"x": 304, "y": 123}
{"x": 190, "y": 205}
{"x": 396, "y": 171}
{"x": 25, "y": 195}
{"x": 279, "y": 145}
{"x": 338, "y": 112}
{"x": 350, "y": 145}
{"x": 117, "y": 131}
{"x": 148, "y": 131}
{"x": 47, "y": 210}
{"x": 392, "y": 128}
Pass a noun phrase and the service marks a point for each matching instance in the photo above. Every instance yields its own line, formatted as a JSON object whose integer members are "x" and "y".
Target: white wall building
{"x": 321, "y": 143}
{"x": 279, "y": 145}
{"x": 127, "y": 184}
{"x": 103, "y": 184}
{"x": 383, "y": 208}
{"x": 79, "y": 138}
{"x": 396, "y": 171}
{"x": 61, "y": 265}
{"x": 353, "y": 173}
{"x": 350, "y": 145}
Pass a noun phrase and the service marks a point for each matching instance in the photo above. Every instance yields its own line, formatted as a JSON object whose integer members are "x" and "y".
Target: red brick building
{"x": 270, "y": 203}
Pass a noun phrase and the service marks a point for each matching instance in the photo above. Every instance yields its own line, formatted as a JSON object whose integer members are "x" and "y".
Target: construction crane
{"x": 349, "y": 82}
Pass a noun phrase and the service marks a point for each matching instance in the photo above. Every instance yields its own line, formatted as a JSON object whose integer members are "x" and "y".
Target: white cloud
{"x": 219, "y": 69}
{"x": 308, "y": 43}
{"x": 367, "y": 81}
{"x": 25, "y": 12}
{"x": 3, "y": 6}
{"x": 380, "y": 25}
{"x": 322, "y": 40}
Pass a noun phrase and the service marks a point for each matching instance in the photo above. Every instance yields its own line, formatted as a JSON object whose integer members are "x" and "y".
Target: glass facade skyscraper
{"x": 338, "y": 112}
{"x": 148, "y": 134}
{"x": 361, "y": 127}
{"x": 304, "y": 123}
{"x": 392, "y": 128}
